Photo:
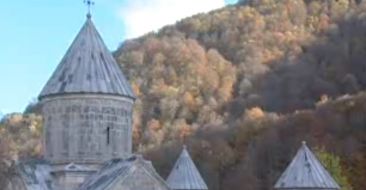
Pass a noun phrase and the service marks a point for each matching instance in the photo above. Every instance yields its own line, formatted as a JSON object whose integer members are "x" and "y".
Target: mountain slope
{"x": 280, "y": 56}
{"x": 210, "y": 71}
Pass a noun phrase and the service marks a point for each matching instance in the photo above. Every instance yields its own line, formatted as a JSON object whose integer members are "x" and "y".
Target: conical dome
{"x": 185, "y": 175}
{"x": 87, "y": 67}
{"x": 306, "y": 172}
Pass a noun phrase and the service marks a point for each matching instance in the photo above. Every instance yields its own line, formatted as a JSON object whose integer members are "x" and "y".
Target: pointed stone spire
{"x": 88, "y": 67}
{"x": 306, "y": 172}
{"x": 185, "y": 175}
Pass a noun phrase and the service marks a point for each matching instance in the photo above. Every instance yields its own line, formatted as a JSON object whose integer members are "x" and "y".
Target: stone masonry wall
{"x": 87, "y": 128}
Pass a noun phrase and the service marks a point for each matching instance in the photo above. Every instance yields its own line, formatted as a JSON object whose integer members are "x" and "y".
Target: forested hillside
{"x": 243, "y": 86}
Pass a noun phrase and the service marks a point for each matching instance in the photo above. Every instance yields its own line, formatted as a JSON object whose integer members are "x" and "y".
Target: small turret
{"x": 305, "y": 172}
{"x": 184, "y": 175}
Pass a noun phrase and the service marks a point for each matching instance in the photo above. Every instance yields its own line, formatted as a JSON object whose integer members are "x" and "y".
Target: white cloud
{"x": 143, "y": 16}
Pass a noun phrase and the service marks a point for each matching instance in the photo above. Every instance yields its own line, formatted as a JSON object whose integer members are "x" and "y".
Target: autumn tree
{"x": 333, "y": 164}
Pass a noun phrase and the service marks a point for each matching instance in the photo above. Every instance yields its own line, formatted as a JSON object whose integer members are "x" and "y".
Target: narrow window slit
{"x": 108, "y": 135}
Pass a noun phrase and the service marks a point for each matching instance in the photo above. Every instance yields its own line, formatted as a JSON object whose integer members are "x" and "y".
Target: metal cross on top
{"x": 89, "y": 3}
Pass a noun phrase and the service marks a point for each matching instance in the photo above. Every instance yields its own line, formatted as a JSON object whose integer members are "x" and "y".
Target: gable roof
{"x": 75, "y": 167}
{"x": 118, "y": 170}
{"x": 305, "y": 171}
{"x": 87, "y": 67}
{"x": 72, "y": 167}
{"x": 184, "y": 174}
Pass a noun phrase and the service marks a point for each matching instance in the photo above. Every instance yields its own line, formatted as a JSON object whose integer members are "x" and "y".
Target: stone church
{"x": 87, "y": 106}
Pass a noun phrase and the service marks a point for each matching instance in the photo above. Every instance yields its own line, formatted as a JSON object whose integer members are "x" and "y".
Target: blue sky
{"x": 35, "y": 34}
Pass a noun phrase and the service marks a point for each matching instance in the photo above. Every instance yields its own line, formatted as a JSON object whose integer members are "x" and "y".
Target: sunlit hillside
{"x": 242, "y": 86}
